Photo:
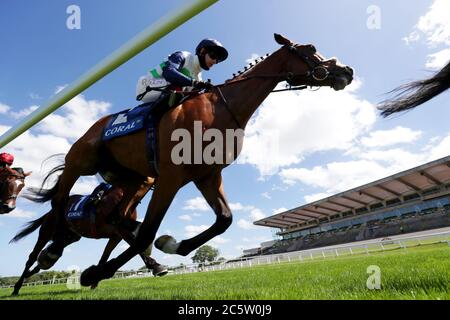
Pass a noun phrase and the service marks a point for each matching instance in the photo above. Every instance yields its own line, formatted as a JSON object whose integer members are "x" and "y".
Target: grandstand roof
{"x": 417, "y": 181}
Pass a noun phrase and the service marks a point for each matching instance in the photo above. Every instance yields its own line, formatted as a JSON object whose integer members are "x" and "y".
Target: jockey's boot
{"x": 158, "y": 270}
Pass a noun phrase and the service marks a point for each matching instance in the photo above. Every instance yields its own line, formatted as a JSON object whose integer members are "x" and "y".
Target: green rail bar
{"x": 141, "y": 41}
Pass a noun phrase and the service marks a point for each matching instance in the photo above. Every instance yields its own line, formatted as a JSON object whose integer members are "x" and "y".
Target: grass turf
{"x": 421, "y": 272}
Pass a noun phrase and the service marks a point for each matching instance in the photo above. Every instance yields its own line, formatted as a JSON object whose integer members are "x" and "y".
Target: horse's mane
{"x": 415, "y": 93}
{"x": 248, "y": 67}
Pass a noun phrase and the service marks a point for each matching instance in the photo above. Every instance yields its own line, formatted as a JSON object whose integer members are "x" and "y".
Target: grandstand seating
{"x": 408, "y": 222}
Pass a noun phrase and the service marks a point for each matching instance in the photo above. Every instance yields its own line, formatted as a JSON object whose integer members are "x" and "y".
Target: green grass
{"x": 415, "y": 273}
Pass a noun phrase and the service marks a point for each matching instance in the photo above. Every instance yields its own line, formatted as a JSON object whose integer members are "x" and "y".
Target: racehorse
{"x": 12, "y": 181}
{"x": 224, "y": 107}
{"x": 90, "y": 220}
{"x": 415, "y": 93}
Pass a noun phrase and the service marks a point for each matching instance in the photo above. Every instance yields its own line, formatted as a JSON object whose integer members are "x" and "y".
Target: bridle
{"x": 315, "y": 67}
{"x": 4, "y": 183}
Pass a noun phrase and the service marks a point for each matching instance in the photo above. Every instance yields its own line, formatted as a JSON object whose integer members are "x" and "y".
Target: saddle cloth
{"x": 132, "y": 120}
{"x": 77, "y": 209}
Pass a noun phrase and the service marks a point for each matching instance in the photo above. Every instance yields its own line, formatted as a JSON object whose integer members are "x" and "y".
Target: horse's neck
{"x": 245, "y": 97}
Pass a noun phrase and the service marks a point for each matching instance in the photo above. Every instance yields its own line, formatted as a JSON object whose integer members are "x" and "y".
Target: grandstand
{"x": 413, "y": 200}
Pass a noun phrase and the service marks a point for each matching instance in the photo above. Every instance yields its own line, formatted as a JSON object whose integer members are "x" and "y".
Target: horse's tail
{"x": 41, "y": 195}
{"x": 30, "y": 228}
{"x": 415, "y": 93}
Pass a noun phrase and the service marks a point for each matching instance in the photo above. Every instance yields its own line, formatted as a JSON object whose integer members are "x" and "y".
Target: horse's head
{"x": 12, "y": 181}
{"x": 306, "y": 66}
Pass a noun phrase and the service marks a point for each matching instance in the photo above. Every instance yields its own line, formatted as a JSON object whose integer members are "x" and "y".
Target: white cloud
{"x": 257, "y": 214}
{"x": 4, "y": 108}
{"x": 24, "y": 112}
{"x": 78, "y": 116}
{"x": 266, "y": 195}
{"x": 434, "y": 25}
{"x": 218, "y": 240}
{"x": 34, "y": 96}
{"x": 239, "y": 207}
{"x": 370, "y": 165}
{"x": 192, "y": 231}
{"x": 185, "y": 217}
{"x": 316, "y": 196}
{"x": 197, "y": 203}
{"x": 394, "y": 159}
{"x": 279, "y": 210}
{"x": 21, "y": 214}
{"x": 48, "y": 138}
{"x": 291, "y": 125}
{"x": 440, "y": 150}
{"x": 336, "y": 176}
{"x": 252, "y": 58}
{"x": 390, "y": 137}
{"x": 438, "y": 60}
{"x": 85, "y": 185}
{"x": 245, "y": 224}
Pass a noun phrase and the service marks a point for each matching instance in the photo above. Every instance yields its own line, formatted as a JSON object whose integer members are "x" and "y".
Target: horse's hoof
{"x": 167, "y": 244}
{"x": 90, "y": 276}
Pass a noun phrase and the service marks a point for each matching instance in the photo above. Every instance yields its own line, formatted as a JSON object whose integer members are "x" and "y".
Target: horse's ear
{"x": 282, "y": 40}
{"x": 27, "y": 173}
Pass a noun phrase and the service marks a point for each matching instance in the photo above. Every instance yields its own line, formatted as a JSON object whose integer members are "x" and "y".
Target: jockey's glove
{"x": 200, "y": 85}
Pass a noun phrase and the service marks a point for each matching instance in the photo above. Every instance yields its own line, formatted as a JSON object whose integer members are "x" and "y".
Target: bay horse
{"x": 225, "y": 107}
{"x": 413, "y": 94}
{"x": 96, "y": 225}
{"x": 12, "y": 181}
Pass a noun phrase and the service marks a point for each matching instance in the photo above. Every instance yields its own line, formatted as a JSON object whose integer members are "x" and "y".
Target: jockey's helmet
{"x": 212, "y": 46}
{"x": 6, "y": 158}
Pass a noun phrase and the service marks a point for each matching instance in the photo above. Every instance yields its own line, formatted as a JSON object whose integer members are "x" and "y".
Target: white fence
{"x": 363, "y": 247}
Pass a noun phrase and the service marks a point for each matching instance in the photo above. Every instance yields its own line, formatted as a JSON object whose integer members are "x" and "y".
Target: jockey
{"x": 180, "y": 72}
{"x": 6, "y": 160}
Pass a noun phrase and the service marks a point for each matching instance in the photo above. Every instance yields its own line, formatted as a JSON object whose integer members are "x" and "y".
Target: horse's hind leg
{"x": 45, "y": 235}
{"x": 110, "y": 246}
{"x": 75, "y": 166}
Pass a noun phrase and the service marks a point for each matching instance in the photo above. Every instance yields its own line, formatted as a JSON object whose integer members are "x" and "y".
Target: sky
{"x": 299, "y": 146}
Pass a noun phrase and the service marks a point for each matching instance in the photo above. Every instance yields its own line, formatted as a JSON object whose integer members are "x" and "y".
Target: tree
{"x": 205, "y": 253}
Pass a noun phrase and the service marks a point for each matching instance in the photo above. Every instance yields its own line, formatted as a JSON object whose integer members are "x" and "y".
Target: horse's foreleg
{"x": 212, "y": 190}
{"x": 165, "y": 191}
{"x": 110, "y": 246}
